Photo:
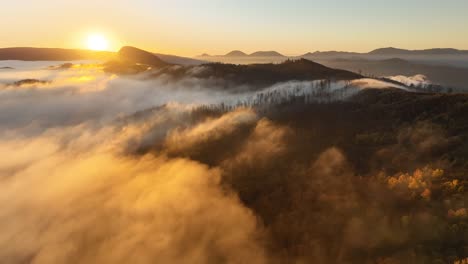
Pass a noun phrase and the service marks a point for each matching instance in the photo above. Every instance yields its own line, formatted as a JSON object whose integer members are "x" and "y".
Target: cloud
{"x": 368, "y": 83}
{"x": 265, "y": 144}
{"x": 211, "y": 130}
{"x": 83, "y": 94}
{"x": 79, "y": 200}
{"x": 418, "y": 80}
{"x": 83, "y": 195}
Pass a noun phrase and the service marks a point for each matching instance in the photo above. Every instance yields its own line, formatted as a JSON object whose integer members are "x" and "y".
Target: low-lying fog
{"x": 84, "y": 179}
{"x": 39, "y": 93}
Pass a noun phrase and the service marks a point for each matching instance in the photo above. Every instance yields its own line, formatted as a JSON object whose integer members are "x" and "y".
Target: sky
{"x": 192, "y": 27}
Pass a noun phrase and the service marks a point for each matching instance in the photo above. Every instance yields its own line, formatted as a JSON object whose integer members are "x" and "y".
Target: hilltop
{"x": 266, "y": 54}
{"x": 236, "y": 53}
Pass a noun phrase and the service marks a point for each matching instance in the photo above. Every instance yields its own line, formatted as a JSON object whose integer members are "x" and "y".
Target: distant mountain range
{"x": 391, "y": 52}
{"x": 395, "y": 51}
{"x": 382, "y": 52}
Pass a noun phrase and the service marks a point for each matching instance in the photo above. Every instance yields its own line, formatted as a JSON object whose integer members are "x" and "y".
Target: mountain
{"x": 388, "y": 52}
{"x": 266, "y": 54}
{"x": 131, "y": 60}
{"x": 396, "y": 51}
{"x": 236, "y": 53}
{"x": 135, "y": 55}
{"x": 52, "y": 54}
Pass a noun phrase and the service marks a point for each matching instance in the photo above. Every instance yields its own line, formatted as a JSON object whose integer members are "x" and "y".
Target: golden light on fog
{"x": 97, "y": 42}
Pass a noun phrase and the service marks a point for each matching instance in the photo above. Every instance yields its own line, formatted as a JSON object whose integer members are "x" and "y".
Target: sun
{"x": 97, "y": 42}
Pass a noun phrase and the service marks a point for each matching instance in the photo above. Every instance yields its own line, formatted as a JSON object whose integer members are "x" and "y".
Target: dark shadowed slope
{"x": 52, "y": 54}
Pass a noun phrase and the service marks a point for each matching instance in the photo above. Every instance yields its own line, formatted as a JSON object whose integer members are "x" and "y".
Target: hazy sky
{"x": 193, "y": 27}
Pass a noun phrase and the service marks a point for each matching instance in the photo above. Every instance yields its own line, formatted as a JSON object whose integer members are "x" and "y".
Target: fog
{"x": 71, "y": 193}
{"x": 83, "y": 92}
{"x": 416, "y": 80}
{"x": 100, "y": 168}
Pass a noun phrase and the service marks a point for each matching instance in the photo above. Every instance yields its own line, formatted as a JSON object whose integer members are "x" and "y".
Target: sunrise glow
{"x": 97, "y": 42}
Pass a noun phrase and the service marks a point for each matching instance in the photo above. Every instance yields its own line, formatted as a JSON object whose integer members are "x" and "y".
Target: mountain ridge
{"x": 433, "y": 51}
{"x": 392, "y": 51}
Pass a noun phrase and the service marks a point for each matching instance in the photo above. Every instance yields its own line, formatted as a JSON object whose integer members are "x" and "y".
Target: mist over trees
{"x": 177, "y": 166}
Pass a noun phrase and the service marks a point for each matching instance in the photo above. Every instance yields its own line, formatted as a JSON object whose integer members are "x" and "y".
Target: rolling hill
{"x": 236, "y": 53}
{"x": 266, "y": 54}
